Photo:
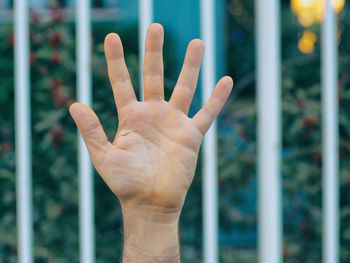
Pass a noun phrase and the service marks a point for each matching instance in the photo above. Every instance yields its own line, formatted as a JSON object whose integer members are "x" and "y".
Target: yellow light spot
{"x": 310, "y": 35}
{"x": 312, "y": 11}
{"x": 307, "y": 42}
{"x": 338, "y": 5}
{"x": 307, "y": 3}
{"x": 306, "y": 20}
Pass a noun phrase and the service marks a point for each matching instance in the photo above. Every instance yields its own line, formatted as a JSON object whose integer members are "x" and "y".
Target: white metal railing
{"x": 145, "y": 20}
{"x": 23, "y": 133}
{"x": 269, "y": 134}
{"x": 209, "y": 179}
{"x": 86, "y": 192}
{"x": 330, "y": 135}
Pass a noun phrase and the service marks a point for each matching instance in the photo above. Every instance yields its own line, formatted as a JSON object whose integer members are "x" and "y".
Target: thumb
{"x": 90, "y": 128}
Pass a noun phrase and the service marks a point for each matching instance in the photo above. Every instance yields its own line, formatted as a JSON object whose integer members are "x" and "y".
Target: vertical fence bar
{"x": 210, "y": 185}
{"x": 145, "y": 20}
{"x": 86, "y": 203}
{"x": 268, "y": 93}
{"x": 23, "y": 133}
{"x": 330, "y": 135}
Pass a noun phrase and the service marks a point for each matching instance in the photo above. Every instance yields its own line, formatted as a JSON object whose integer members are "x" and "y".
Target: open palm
{"x": 152, "y": 160}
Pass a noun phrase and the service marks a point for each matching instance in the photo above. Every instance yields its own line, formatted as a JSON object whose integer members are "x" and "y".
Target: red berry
{"x": 6, "y": 147}
{"x": 11, "y": 39}
{"x": 57, "y": 136}
{"x": 32, "y": 58}
{"x": 56, "y": 83}
{"x": 42, "y": 70}
{"x": 56, "y": 57}
{"x": 310, "y": 121}
{"x": 55, "y": 39}
{"x": 56, "y": 15}
{"x": 317, "y": 158}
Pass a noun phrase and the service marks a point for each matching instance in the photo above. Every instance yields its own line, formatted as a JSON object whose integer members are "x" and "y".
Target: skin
{"x": 151, "y": 162}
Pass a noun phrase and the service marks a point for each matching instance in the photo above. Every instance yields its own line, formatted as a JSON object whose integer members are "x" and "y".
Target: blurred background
{"x": 54, "y": 135}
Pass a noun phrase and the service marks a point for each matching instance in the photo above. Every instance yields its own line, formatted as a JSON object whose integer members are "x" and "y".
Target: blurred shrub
{"x": 302, "y": 133}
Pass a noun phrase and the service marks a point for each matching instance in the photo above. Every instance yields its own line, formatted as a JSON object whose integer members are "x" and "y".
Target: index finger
{"x": 118, "y": 72}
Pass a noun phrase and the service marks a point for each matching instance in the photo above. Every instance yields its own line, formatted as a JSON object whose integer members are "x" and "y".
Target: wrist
{"x": 150, "y": 235}
{"x": 150, "y": 213}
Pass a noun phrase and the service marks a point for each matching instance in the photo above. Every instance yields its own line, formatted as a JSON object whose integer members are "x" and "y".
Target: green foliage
{"x": 302, "y": 134}
{"x": 8, "y": 244}
{"x": 55, "y": 181}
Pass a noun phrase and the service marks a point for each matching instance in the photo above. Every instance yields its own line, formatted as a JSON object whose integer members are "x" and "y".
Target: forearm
{"x": 150, "y": 237}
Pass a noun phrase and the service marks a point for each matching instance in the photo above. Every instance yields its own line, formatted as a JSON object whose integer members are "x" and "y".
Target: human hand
{"x": 151, "y": 162}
